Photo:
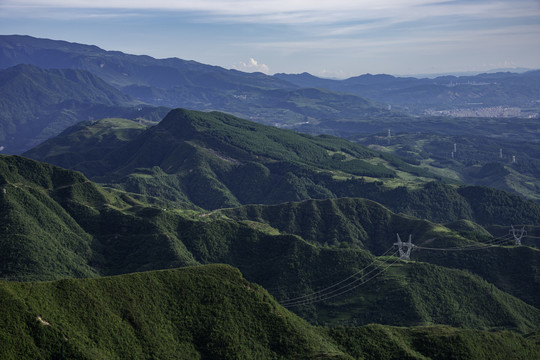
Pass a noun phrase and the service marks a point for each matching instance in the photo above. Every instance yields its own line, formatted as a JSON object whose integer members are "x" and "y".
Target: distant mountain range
{"x": 188, "y": 84}
{"x": 36, "y": 104}
{"x": 441, "y": 93}
{"x": 301, "y": 102}
{"x": 178, "y": 83}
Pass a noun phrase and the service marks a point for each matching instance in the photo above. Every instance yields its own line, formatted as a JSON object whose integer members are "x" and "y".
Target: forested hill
{"x": 208, "y": 312}
{"x": 37, "y": 104}
{"x": 215, "y": 160}
{"x": 56, "y": 224}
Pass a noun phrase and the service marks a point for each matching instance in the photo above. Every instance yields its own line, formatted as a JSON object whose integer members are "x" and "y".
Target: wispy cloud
{"x": 337, "y": 34}
{"x": 303, "y": 11}
{"x": 439, "y": 38}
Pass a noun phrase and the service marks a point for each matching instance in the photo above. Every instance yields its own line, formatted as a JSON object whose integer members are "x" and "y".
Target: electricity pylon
{"x": 518, "y": 237}
{"x": 404, "y": 255}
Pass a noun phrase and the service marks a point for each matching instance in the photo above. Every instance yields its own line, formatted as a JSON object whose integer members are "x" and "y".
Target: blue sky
{"x": 333, "y": 38}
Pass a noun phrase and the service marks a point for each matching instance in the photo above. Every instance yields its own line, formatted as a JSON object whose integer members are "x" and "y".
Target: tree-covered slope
{"x": 358, "y": 223}
{"x": 37, "y": 104}
{"x": 57, "y": 224}
{"x": 214, "y": 160}
{"x": 39, "y": 238}
{"x": 431, "y": 342}
{"x": 206, "y": 312}
{"x": 190, "y": 313}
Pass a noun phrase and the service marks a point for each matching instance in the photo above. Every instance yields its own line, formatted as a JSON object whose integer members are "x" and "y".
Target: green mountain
{"x": 207, "y": 312}
{"x": 214, "y": 160}
{"x": 56, "y": 224}
{"x": 179, "y": 83}
{"x": 37, "y": 104}
{"x": 285, "y": 209}
{"x": 90, "y": 140}
{"x": 191, "y": 313}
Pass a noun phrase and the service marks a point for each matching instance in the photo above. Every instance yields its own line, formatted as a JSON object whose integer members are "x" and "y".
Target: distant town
{"x": 494, "y": 111}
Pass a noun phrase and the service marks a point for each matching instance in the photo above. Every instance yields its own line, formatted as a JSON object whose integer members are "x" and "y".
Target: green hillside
{"x": 363, "y": 224}
{"x": 431, "y": 342}
{"x": 89, "y": 140}
{"x": 207, "y": 312}
{"x": 214, "y": 160}
{"x": 191, "y": 313}
{"x": 502, "y": 162}
{"x": 57, "y": 224}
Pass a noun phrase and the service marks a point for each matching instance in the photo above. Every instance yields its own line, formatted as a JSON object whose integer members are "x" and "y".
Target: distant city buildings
{"x": 494, "y": 111}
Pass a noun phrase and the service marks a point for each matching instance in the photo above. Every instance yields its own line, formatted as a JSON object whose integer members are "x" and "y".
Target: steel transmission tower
{"x": 518, "y": 234}
{"x": 404, "y": 255}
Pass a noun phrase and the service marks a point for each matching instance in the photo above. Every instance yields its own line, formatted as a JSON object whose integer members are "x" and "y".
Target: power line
{"x": 342, "y": 281}
{"x": 345, "y": 289}
{"x": 335, "y": 289}
{"x": 338, "y": 283}
{"x": 479, "y": 246}
{"x": 324, "y": 294}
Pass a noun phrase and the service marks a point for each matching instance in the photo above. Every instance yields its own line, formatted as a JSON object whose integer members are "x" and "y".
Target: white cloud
{"x": 253, "y": 66}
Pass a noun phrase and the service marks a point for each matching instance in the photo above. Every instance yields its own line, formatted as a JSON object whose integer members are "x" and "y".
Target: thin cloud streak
{"x": 339, "y": 35}
{"x": 298, "y": 12}
{"x": 458, "y": 38}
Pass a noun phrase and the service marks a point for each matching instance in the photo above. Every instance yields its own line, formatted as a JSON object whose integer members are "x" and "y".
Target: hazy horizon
{"x": 335, "y": 40}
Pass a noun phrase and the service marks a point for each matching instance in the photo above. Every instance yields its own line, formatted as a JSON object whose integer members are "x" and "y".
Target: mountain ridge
{"x": 242, "y": 162}
{"x": 207, "y": 312}
{"x": 36, "y": 104}
{"x": 180, "y": 83}
{"x": 56, "y": 214}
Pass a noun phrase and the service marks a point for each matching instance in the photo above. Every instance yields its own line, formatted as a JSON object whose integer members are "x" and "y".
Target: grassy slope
{"x": 88, "y": 140}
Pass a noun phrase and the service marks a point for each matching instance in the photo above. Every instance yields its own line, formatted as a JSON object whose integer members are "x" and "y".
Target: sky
{"x": 328, "y": 38}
